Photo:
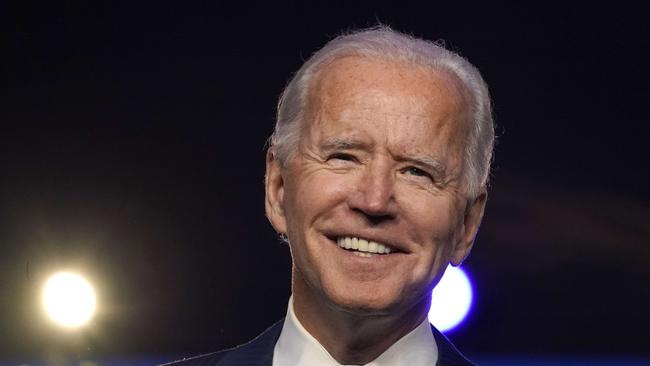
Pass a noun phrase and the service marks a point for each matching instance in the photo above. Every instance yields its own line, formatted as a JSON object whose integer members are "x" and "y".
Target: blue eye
{"x": 417, "y": 172}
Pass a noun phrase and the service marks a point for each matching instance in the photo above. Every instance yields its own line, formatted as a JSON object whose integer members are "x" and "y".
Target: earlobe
{"x": 274, "y": 189}
{"x": 471, "y": 222}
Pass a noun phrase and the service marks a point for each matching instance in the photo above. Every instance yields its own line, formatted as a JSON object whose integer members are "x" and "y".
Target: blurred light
{"x": 451, "y": 299}
{"x": 69, "y": 299}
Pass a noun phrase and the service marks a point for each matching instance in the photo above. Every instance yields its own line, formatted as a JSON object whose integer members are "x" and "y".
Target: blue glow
{"x": 451, "y": 299}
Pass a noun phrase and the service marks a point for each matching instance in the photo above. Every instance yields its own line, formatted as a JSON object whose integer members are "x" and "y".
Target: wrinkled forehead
{"x": 349, "y": 87}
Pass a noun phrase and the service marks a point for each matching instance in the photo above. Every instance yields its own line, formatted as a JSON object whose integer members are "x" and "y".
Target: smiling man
{"x": 376, "y": 175}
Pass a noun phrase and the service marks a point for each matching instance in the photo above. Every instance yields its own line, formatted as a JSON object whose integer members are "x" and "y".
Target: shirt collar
{"x": 297, "y": 347}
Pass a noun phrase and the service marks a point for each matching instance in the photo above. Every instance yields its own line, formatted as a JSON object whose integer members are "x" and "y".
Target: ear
{"x": 274, "y": 189}
{"x": 471, "y": 222}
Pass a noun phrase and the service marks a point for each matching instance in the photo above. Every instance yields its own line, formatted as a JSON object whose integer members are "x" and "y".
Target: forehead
{"x": 389, "y": 96}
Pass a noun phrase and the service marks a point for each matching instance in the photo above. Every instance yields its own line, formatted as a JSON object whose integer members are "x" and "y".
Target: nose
{"x": 374, "y": 194}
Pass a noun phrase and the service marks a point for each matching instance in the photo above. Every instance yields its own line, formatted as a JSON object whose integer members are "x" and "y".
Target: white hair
{"x": 381, "y": 42}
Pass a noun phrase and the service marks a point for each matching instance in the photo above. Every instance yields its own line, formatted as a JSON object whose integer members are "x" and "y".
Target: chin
{"x": 365, "y": 302}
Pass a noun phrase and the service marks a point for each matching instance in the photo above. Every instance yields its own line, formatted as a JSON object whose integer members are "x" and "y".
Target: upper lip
{"x": 381, "y": 239}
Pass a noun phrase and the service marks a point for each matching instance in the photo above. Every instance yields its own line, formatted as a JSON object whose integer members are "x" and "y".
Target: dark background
{"x": 132, "y": 150}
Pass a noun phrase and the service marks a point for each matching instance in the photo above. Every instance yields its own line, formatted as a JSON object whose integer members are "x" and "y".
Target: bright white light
{"x": 69, "y": 299}
{"x": 451, "y": 299}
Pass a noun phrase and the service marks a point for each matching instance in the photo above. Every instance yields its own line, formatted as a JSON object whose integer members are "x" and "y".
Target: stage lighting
{"x": 69, "y": 299}
{"x": 451, "y": 299}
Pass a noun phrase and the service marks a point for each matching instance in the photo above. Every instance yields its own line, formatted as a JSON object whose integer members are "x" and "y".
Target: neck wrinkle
{"x": 352, "y": 339}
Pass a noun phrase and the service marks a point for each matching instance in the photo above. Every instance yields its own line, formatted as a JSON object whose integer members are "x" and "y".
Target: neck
{"x": 352, "y": 337}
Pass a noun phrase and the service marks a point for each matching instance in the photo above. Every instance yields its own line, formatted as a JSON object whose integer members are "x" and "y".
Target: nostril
{"x": 375, "y": 202}
{"x": 375, "y": 219}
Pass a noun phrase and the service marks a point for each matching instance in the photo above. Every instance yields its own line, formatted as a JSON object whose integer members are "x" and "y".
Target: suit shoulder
{"x": 259, "y": 351}
{"x": 201, "y": 360}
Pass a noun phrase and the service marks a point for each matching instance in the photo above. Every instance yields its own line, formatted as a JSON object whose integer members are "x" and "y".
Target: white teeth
{"x": 362, "y": 246}
{"x": 362, "y": 254}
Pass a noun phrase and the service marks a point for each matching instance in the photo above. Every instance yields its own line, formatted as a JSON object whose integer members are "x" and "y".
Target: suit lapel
{"x": 448, "y": 354}
{"x": 258, "y": 352}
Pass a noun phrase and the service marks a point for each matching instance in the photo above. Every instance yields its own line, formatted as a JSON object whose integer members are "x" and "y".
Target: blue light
{"x": 451, "y": 299}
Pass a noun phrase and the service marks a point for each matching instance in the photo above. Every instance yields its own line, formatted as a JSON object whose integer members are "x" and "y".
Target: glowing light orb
{"x": 69, "y": 299}
{"x": 451, "y": 299}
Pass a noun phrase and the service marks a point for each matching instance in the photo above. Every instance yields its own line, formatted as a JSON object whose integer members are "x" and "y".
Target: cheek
{"x": 434, "y": 226}
{"x": 314, "y": 196}
{"x": 435, "y": 219}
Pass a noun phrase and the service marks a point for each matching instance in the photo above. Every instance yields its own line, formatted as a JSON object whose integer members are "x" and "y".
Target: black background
{"x": 132, "y": 150}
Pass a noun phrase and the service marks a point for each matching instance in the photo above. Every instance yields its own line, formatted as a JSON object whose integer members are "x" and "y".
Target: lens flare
{"x": 451, "y": 299}
{"x": 69, "y": 299}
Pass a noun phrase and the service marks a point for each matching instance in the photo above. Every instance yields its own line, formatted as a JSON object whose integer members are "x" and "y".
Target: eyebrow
{"x": 338, "y": 143}
{"x": 432, "y": 164}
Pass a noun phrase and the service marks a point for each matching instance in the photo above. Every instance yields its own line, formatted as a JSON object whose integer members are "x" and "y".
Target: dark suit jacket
{"x": 259, "y": 352}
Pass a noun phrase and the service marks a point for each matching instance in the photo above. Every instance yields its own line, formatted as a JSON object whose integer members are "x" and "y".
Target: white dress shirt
{"x": 297, "y": 347}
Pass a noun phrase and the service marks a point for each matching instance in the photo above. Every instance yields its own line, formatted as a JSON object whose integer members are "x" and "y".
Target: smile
{"x": 363, "y": 247}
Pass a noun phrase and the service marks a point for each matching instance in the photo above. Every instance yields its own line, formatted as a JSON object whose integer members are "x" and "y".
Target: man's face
{"x": 380, "y": 161}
